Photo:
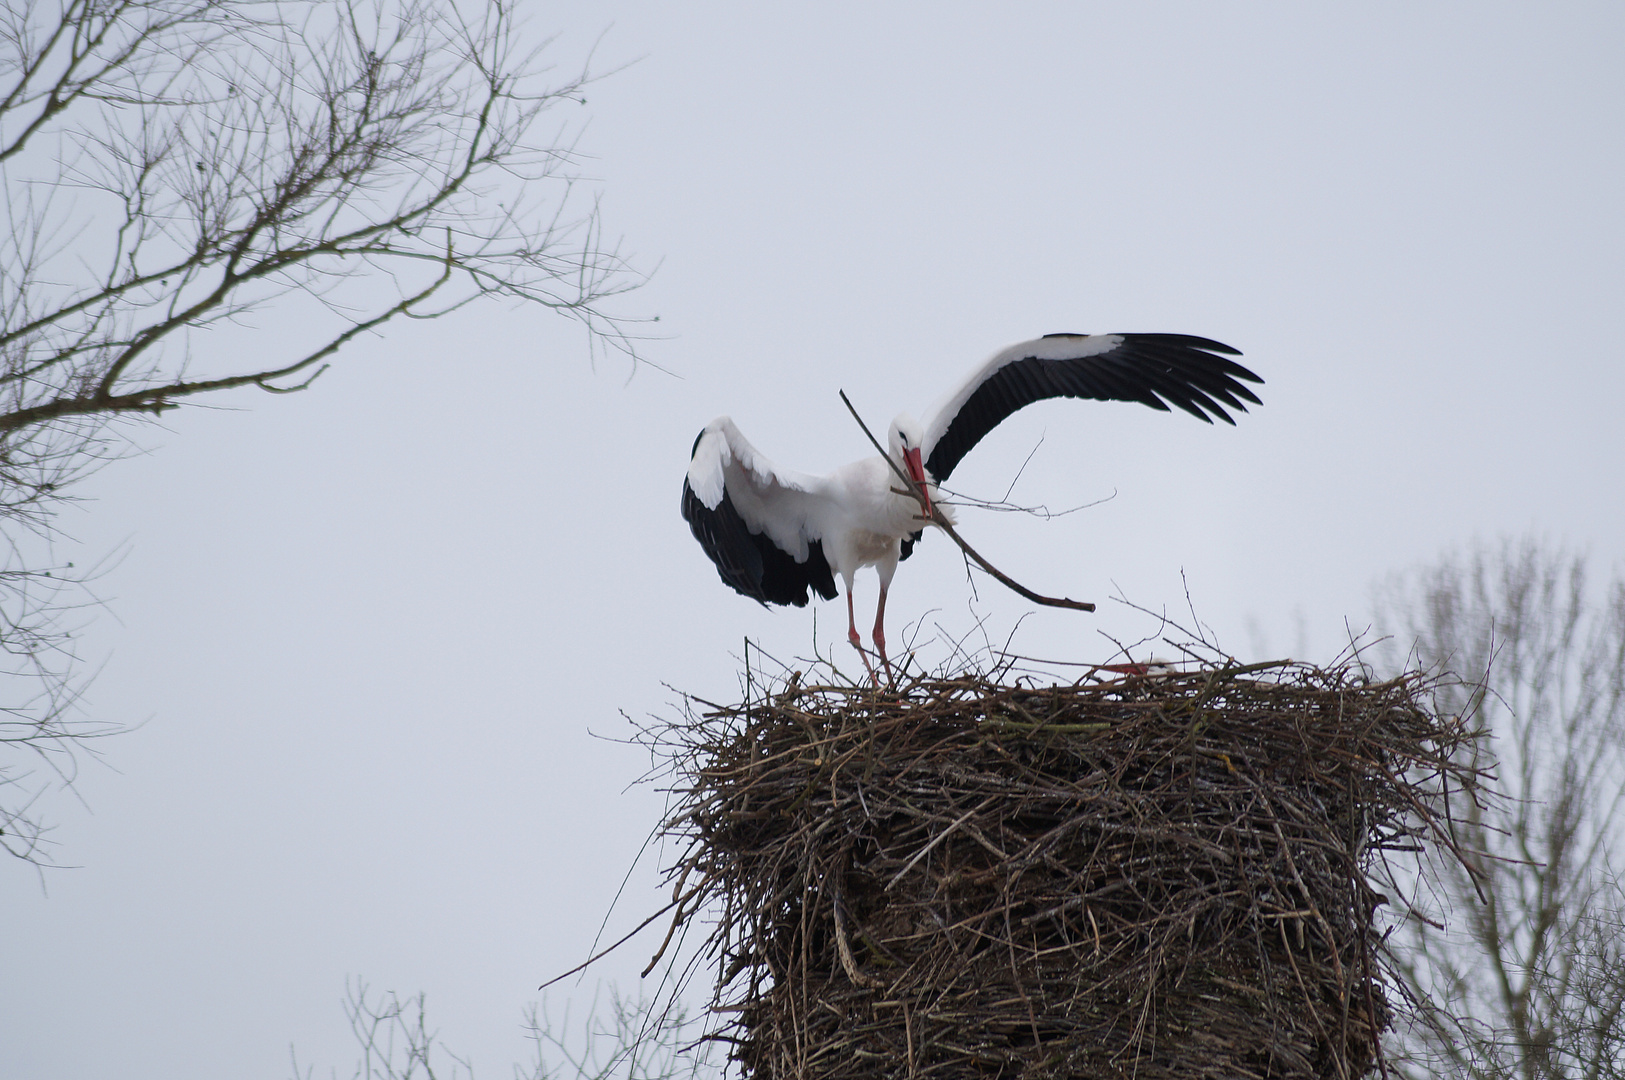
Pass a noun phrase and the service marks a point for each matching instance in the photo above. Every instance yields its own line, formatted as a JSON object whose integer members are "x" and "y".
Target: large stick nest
{"x": 1148, "y": 877}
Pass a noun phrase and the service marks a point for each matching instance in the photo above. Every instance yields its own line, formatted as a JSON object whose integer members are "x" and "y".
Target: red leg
{"x": 880, "y": 633}
{"x": 853, "y": 636}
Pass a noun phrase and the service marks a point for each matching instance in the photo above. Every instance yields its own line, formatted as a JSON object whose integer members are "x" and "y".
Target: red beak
{"x": 1126, "y": 669}
{"x": 916, "y": 472}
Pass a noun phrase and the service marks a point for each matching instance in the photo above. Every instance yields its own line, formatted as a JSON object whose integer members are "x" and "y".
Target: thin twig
{"x": 634, "y": 932}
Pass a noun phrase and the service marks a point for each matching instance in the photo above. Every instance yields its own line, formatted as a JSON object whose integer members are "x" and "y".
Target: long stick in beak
{"x": 970, "y": 552}
{"x": 916, "y": 472}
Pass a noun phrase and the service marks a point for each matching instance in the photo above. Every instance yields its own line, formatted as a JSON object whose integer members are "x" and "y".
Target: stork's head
{"x": 905, "y": 437}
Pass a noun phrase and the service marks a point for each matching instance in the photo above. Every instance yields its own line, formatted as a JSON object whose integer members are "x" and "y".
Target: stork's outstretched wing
{"x": 1154, "y": 369}
{"x": 762, "y": 526}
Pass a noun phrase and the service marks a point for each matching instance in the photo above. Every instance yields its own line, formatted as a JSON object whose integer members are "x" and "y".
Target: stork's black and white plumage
{"x": 774, "y": 534}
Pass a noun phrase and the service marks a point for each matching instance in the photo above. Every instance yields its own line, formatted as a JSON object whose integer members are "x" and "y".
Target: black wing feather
{"x": 1157, "y": 370}
{"x": 749, "y": 562}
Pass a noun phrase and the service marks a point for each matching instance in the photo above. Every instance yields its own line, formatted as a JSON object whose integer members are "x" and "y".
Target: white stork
{"x": 774, "y": 534}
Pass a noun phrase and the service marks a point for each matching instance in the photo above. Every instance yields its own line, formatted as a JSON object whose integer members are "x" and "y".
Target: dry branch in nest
{"x": 1150, "y": 877}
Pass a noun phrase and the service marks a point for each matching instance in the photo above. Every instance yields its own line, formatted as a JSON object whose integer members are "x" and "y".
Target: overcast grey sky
{"x": 375, "y": 631}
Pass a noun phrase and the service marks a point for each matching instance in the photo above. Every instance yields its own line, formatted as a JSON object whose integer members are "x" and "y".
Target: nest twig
{"x": 1150, "y": 877}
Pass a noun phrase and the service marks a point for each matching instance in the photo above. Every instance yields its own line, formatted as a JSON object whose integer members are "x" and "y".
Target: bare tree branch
{"x": 179, "y": 173}
{"x": 630, "y": 1039}
{"x": 1520, "y": 971}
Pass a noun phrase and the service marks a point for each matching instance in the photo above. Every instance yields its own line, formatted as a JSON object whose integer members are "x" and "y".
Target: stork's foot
{"x": 868, "y": 666}
{"x": 857, "y": 643}
{"x": 880, "y": 647}
{"x": 879, "y": 636}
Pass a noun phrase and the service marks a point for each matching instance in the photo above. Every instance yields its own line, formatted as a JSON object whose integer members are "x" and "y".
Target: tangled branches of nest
{"x": 1153, "y": 877}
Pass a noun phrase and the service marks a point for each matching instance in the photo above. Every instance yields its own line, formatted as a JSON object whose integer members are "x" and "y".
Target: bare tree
{"x": 205, "y": 195}
{"x": 632, "y": 1039}
{"x": 1521, "y": 970}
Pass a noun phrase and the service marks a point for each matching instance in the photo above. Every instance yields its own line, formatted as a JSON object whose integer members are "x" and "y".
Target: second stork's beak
{"x": 916, "y": 472}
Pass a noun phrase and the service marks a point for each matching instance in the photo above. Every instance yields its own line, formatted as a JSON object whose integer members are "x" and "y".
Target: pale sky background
{"x": 379, "y": 636}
